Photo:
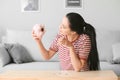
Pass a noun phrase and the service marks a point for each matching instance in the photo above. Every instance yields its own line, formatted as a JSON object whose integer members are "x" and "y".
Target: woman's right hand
{"x": 35, "y": 37}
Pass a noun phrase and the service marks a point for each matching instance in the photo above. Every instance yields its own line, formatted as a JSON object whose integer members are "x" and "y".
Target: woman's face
{"x": 64, "y": 28}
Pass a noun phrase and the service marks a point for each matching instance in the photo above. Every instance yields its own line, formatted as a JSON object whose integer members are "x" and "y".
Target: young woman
{"x": 75, "y": 43}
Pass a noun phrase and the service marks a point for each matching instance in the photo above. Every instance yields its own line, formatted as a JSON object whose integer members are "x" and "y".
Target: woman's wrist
{"x": 38, "y": 41}
{"x": 71, "y": 47}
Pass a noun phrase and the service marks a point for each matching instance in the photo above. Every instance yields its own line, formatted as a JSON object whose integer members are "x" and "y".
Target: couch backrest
{"x": 105, "y": 40}
{"x": 24, "y": 37}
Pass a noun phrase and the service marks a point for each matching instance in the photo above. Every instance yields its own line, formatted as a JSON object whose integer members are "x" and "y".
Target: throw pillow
{"x": 8, "y": 46}
{"x": 19, "y": 53}
{"x": 116, "y": 53}
{"x": 4, "y": 56}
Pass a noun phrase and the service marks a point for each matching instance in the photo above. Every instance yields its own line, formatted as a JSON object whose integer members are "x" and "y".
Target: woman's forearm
{"x": 76, "y": 62}
{"x": 44, "y": 52}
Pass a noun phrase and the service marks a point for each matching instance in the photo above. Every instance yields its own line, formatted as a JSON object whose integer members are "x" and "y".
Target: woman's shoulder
{"x": 84, "y": 36}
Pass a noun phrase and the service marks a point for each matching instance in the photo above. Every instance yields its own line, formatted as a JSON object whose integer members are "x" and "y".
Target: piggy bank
{"x": 37, "y": 29}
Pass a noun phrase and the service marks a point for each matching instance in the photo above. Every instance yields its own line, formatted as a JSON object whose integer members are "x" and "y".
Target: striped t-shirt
{"x": 82, "y": 46}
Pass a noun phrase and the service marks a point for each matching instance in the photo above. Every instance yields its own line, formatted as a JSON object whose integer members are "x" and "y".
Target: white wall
{"x": 100, "y": 13}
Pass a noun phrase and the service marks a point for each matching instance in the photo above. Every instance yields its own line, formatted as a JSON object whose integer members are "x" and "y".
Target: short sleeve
{"x": 54, "y": 45}
{"x": 85, "y": 47}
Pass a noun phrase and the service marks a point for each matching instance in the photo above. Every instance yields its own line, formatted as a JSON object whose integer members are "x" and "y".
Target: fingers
{"x": 65, "y": 36}
{"x": 62, "y": 41}
{"x": 34, "y": 35}
{"x": 32, "y": 31}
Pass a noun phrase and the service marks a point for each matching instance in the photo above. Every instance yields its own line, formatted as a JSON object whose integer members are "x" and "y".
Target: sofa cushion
{"x": 4, "y": 56}
{"x": 24, "y": 37}
{"x": 116, "y": 53}
{"x": 109, "y": 66}
{"x": 19, "y": 53}
{"x": 33, "y": 66}
{"x": 105, "y": 40}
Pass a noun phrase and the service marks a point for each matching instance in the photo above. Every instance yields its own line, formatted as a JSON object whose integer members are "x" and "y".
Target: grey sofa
{"x": 107, "y": 43}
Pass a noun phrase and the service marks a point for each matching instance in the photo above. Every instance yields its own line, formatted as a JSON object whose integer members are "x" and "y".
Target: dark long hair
{"x": 78, "y": 25}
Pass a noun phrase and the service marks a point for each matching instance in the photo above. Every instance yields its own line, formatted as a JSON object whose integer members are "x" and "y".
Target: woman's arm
{"x": 75, "y": 60}
{"x": 79, "y": 60}
{"x": 47, "y": 54}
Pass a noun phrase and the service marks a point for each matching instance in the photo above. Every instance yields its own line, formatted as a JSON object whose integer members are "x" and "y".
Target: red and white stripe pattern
{"x": 82, "y": 46}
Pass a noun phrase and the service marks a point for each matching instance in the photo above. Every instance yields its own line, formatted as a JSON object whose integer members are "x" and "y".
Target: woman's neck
{"x": 72, "y": 38}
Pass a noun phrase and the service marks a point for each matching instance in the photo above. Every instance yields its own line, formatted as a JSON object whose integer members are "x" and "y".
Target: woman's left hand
{"x": 64, "y": 41}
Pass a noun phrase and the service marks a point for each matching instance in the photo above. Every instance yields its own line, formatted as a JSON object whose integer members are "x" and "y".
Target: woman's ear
{"x": 73, "y": 32}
